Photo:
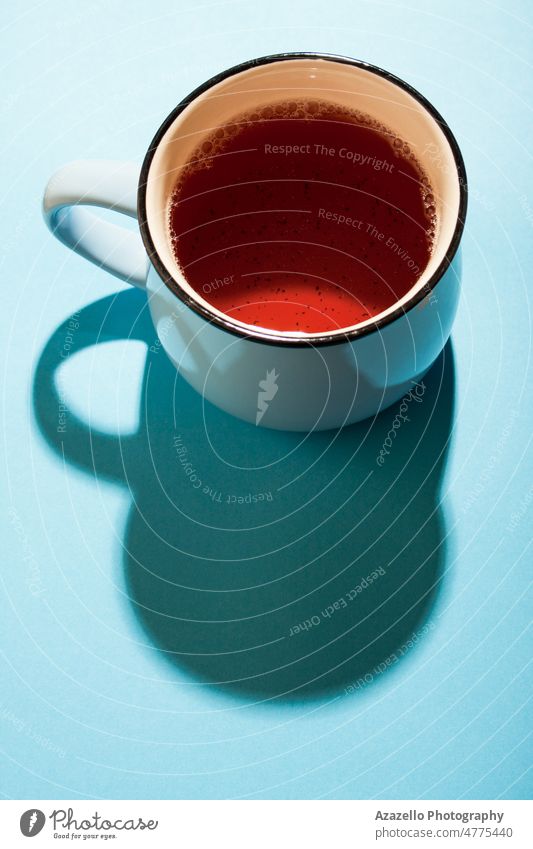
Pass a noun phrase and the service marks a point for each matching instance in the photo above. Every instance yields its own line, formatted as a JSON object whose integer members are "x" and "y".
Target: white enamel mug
{"x": 284, "y": 380}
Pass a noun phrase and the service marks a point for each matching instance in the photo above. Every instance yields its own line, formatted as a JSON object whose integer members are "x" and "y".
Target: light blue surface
{"x": 93, "y": 702}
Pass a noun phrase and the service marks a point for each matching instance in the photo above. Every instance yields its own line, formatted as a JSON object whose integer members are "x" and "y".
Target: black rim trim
{"x": 264, "y": 335}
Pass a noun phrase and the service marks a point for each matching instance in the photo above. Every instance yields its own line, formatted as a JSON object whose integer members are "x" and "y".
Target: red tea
{"x": 302, "y": 216}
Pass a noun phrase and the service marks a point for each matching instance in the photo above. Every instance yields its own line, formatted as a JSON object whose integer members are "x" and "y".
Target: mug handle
{"x": 108, "y": 184}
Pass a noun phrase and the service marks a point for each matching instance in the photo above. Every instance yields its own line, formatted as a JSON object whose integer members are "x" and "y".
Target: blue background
{"x": 131, "y": 601}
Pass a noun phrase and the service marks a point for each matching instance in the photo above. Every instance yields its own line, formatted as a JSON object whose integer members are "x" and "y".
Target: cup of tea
{"x": 299, "y": 225}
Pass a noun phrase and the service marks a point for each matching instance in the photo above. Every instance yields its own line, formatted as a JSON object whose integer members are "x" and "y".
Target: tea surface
{"x": 302, "y": 216}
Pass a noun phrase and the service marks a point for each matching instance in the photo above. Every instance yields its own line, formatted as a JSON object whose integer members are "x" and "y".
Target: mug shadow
{"x": 269, "y": 565}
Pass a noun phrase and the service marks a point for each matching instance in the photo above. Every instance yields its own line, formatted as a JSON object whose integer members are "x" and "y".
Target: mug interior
{"x": 339, "y": 82}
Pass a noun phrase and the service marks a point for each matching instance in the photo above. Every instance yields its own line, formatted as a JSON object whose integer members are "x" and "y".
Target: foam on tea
{"x": 302, "y": 216}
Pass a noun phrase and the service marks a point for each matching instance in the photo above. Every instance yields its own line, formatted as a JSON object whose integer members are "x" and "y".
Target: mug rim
{"x": 264, "y": 335}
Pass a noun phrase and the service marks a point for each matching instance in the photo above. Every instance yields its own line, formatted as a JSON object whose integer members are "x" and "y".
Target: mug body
{"x": 313, "y": 387}
{"x": 289, "y": 380}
